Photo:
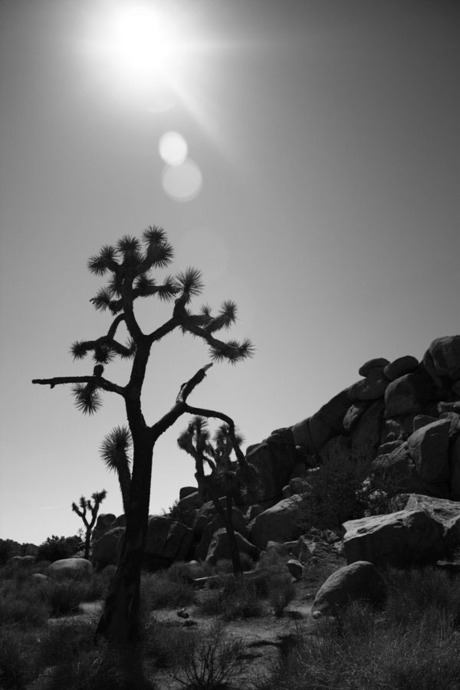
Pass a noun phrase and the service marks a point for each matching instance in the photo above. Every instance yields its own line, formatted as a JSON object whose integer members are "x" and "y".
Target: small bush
{"x": 17, "y": 663}
{"x": 210, "y": 662}
{"x": 335, "y": 495}
{"x": 165, "y": 642}
{"x": 65, "y": 596}
{"x": 22, "y": 603}
{"x": 158, "y": 591}
{"x": 236, "y": 598}
{"x": 63, "y": 641}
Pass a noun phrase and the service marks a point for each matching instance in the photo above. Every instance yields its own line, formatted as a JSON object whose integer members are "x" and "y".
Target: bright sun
{"x": 146, "y": 44}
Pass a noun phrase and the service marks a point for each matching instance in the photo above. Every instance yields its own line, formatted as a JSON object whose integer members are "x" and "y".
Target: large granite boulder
{"x": 443, "y": 511}
{"x": 400, "y": 366}
{"x": 442, "y": 360}
{"x": 106, "y": 549}
{"x": 219, "y": 547}
{"x": 404, "y": 538}
{"x": 313, "y": 432}
{"x": 367, "y": 432}
{"x": 167, "y": 541}
{"x": 409, "y": 394}
{"x": 429, "y": 449}
{"x": 360, "y": 580}
{"x": 371, "y": 388}
{"x": 70, "y": 567}
{"x": 280, "y": 523}
{"x": 274, "y": 461}
{"x": 103, "y": 524}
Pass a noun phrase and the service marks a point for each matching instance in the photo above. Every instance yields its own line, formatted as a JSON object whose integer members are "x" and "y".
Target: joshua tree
{"x": 195, "y": 440}
{"x": 85, "y": 505}
{"x": 129, "y": 265}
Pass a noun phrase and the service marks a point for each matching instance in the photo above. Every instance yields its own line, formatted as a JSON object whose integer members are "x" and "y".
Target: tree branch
{"x": 181, "y": 402}
{"x": 98, "y": 380}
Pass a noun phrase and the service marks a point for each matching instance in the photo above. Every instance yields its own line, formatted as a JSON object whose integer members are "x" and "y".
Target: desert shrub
{"x": 17, "y": 662}
{"x": 412, "y": 592}
{"x": 210, "y": 662}
{"x": 65, "y": 595}
{"x": 55, "y": 548}
{"x": 165, "y": 642}
{"x": 22, "y": 602}
{"x": 381, "y": 650}
{"x": 63, "y": 641}
{"x": 334, "y": 496}
{"x": 159, "y": 591}
{"x": 235, "y": 598}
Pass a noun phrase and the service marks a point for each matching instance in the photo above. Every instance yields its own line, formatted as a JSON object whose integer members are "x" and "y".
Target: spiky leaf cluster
{"x": 130, "y": 263}
{"x": 115, "y": 448}
{"x": 232, "y": 351}
{"x": 87, "y": 398}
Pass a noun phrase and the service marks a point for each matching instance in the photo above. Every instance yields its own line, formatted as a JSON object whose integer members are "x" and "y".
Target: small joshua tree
{"x": 195, "y": 440}
{"x": 129, "y": 265}
{"x": 87, "y": 506}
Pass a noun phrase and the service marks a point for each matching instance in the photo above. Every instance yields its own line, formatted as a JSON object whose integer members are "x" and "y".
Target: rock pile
{"x": 402, "y": 418}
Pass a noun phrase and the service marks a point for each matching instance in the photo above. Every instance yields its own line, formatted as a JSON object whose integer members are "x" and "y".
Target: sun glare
{"x": 147, "y": 45}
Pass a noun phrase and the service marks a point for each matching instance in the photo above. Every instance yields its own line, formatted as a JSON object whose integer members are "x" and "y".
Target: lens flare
{"x": 182, "y": 182}
{"x": 173, "y": 148}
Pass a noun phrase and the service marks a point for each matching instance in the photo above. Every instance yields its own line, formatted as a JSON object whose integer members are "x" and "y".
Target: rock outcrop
{"x": 400, "y": 421}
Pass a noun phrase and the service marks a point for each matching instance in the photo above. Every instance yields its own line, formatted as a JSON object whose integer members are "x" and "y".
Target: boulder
{"x": 209, "y": 522}
{"x": 443, "y": 511}
{"x": 366, "y": 435}
{"x": 455, "y": 470}
{"x": 219, "y": 548}
{"x": 372, "y": 365}
{"x": 401, "y": 539}
{"x": 167, "y": 541}
{"x": 428, "y": 448}
{"x": 408, "y": 394}
{"x": 360, "y": 580}
{"x": 40, "y": 578}
{"x": 371, "y": 388}
{"x": 400, "y": 367}
{"x": 274, "y": 460}
{"x": 442, "y": 359}
{"x": 421, "y": 420}
{"x": 313, "y": 432}
{"x": 104, "y": 522}
{"x": 295, "y": 568}
{"x": 186, "y": 491}
{"x": 21, "y": 562}
{"x": 106, "y": 549}
{"x": 70, "y": 567}
{"x": 280, "y": 523}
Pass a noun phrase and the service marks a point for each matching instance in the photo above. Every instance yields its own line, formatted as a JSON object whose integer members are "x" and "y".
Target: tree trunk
{"x": 87, "y": 543}
{"x": 227, "y": 518}
{"x": 120, "y": 620}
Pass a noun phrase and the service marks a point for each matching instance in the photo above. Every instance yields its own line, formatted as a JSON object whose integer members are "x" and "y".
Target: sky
{"x": 303, "y": 154}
